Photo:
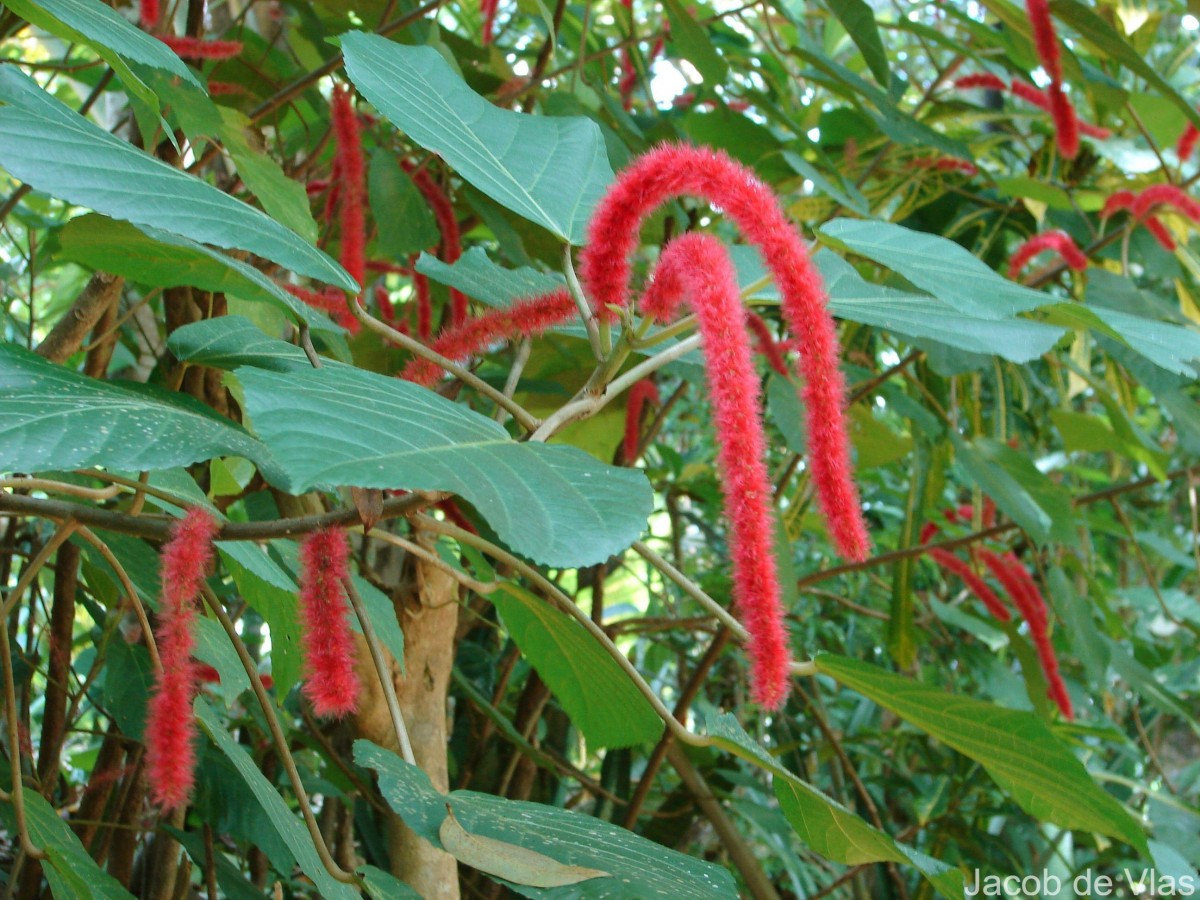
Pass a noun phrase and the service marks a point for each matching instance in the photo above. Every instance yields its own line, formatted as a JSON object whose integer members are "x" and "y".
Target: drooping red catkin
{"x": 331, "y": 682}
{"x": 1186, "y": 145}
{"x": 1165, "y": 195}
{"x": 985, "y": 80}
{"x": 1045, "y": 39}
{"x": 1058, "y": 241}
{"x": 674, "y": 170}
{"x": 645, "y": 390}
{"x": 488, "y": 9}
{"x": 170, "y": 726}
{"x": 695, "y": 267}
{"x": 1160, "y": 233}
{"x": 383, "y": 302}
{"x": 1066, "y": 123}
{"x": 766, "y": 343}
{"x": 451, "y": 245}
{"x": 330, "y": 300}
{"x": 196, "y": 48}
{"x": 976, "y": 585}
{"x": 1030, "y": 94}
{"x": 352, "y": 199}
{"x": 529, "y": 317}
{"x": 1116, "y": 202}
{"x": 148, "y": 13}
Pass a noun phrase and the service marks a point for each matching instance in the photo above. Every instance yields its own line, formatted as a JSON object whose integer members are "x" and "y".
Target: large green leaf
{"x": 1015, "y": 747}
{"x": 69, "y": 870}
{"x": 1039, "y": 505}
{"x": 476, "y": 275}
{"x": 54, "y": 150}
{"x": 638, "y": 867}
{"x": 405, "y": 222}
{"x": 54, "y": 418}
{"x": 858, "y": 18}
{"x": 232, "y": 341}
{"x": 600, "y": 699}
{"x": 289, "y": 826}
{"x": 552, "y": 171}
{"x": 934, "y": 264}
{"x": 157, "y": 258}
{"x": 822, "y": 823}
{"x": 343, "y": 426}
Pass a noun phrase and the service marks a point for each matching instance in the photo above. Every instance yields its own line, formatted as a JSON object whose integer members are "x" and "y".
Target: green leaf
{"x": 1171, "y": 347}
{"x": 859, "y": 21}
{"x": 405, "y": 222}
{"x": 639, "y": 867}
{"x": 214, "y": 649}
{"x": 691, "y": 39}
{"x": 552, "y": 171}
{"x": 383, "y": 885}
{"x": 1040, "y": 506}
{"x": 822, "y": 823}
{"x": 54, "y": 418}
{"x": 234, "y": 341}
{"x": 289, "y": 826}
{"x": 1111, "y": 45}
{"x": 600, "y": 699}
{"x": 1015, "y": 747}
{"x": 934, "y": 264}
{"x": 284, "y": 198}
{"x": 343, "y": 426}
{"x": 70, "y": 871}
{"x": 476, "y": 275}
{"x": 158, "y": 258}
{"x": 54, "y": 150}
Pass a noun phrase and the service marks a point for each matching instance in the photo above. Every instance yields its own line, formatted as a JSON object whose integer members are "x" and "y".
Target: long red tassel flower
{"x": 186, "y": 559}
{"x": 645, "y": 391}
{"x": 674, "y": 170}
{"x": 697, "y": 268}
{"x": 1058, "y": 241}
{"x": 332, "y": 684}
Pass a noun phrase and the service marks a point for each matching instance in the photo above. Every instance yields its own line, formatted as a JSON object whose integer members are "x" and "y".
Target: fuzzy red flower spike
{"x": 170, "y": 726}
{"x": 332, "y": 685}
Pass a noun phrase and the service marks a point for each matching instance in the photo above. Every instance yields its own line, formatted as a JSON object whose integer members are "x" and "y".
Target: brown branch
{"x": 69, "y": 332}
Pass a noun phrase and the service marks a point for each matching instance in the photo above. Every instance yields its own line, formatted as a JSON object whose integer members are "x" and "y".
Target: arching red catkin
{"x": 488, "y": 9}
{"x": 645, "y": 390}
{"x": 1165, "y": 195}
{"x": 350, "y": 164}
{"x": 1030, "y": 94}
{"x": 455, "y": 516}
{"x": 424, "y": 306}
{"x": 331, "y": 301}
{"x": 695, "y": 267}
{"x": 186, "y": 558}
{"x": 673, "y": 170}
{"x": 529, "y": 318}
{"x": 1160, "y": 233}
{"x": 1058, "y": 241}
{"x": 224, "y": 88}
{"x": 1094, "y": 131}
{"x": 1066, "y": 123}
{"x": 331, "y": 682}
{"x": 148, "y": 13}
{"x": 766, "y": 343}
{"x": 451, "y": 246}
{"x": 316, "y": 186}
{"x": 1186, "y": 145}
{"x": 1117, "y": 201}
{"x": 985, "y": 80}
{"x": 1045, "y": 39}
{"x": 976, "y": 585}
{"x": 196, "y": 48}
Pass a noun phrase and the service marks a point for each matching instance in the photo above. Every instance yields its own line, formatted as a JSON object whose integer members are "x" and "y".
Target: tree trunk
{"x": 429, "y": 617}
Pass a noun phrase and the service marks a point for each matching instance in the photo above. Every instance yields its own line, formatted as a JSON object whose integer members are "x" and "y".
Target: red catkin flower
{"x": 697, "y": 268}
{"x": 1058, "y": 241}
{"x": 331, "y": 301}
{"x": 1186, "y": 145}
{"x": 488, "y": 9}
{"x": 451, "y": 247}
{"x": 985, "y": 80}
{"x": 389, "y": 268}
{"x": 148, "y": 13}
{"x": 976, "y": 585}
{"x": 224, "y": 88}
{"x": 1160, "y": 233}
{"x": 455, "y": 516}
{"x": 1030, "y": 94}
{"x": 1165, "y": 195}
{"x": 1116, "y": 202}
{"x": 1045, "y": 39}
{"x": 195, "y": 48}
{"x": 674, "y": 170}
{"x": 383, "y": 302}
{"x": 170, "y": 727}
{"x": 332, "y": 684}
{"x": 766, "y": 343}
{"x": 350, "y": 165}
{"x": 1066, "y": 123}
{"x": 529, "y": 318}
{"x": 644, "y": 390}
{"x": 1094, "y": 131}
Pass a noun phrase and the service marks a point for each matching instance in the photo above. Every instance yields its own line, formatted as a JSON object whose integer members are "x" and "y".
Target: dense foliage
{"x": 499, "y": 601}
